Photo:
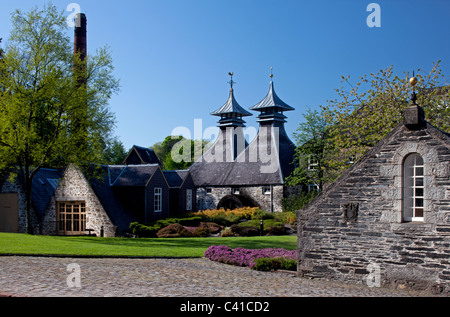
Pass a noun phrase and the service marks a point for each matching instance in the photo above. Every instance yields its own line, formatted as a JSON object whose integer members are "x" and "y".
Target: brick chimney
{"x": 80, "y": 45}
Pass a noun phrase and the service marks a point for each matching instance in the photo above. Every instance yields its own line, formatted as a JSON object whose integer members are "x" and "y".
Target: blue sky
{"x": 173, "y": 56}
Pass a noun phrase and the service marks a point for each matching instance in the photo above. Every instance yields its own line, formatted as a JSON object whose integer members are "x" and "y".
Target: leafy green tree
{"x": 177, "y": 152}
{"x": 366, "y": 112}
{"x": 311, "y": 157}
{"x": 114, "y": 153}
{"x": 41, "y": 100}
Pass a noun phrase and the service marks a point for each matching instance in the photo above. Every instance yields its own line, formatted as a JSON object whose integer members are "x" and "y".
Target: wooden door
{"x": 9, "y": 213}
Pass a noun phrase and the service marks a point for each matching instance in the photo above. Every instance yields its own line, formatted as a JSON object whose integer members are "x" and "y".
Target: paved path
{"x": 47, "y": 277}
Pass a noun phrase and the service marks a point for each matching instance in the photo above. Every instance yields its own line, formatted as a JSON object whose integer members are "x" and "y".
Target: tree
{"x": 310, "y": 156}
{"x": 114, "y": 153}
{"x": 365, "y": 114}
{"x": 171, "y": 152}
{"x": 41, "y": 99}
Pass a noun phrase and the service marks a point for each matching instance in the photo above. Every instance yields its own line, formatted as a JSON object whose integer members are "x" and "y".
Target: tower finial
{"x": 231, "y": 82}
{"x": 271, "y": 72}
{"x": 413, "y": 81}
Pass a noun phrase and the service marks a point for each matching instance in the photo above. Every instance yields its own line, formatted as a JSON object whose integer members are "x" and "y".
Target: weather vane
{"x": 231, "y": 82}
{"x": 413, "y": 81}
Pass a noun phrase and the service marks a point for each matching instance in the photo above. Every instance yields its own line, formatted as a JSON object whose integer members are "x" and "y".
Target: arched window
{"x": 413, "y": 188}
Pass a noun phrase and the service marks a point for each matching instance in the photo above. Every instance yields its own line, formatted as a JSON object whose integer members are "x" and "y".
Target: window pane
{"x": 418, "y": 213}
{"x": 419, "y": 202}
{"x": 419, "y": 192}
{"x": 419, "y": 171}
{"x": 419, "y": 181}
{"x": 419, "y": 160}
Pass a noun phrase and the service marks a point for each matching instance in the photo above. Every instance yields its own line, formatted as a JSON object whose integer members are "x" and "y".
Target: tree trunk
{"x": 28, "y": 188}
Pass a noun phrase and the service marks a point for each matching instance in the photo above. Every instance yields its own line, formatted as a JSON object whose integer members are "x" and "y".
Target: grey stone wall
{"x": 8, "y": 187}
{"x": 356, "y": 225}
{"x": 266, "y": 201}
{"x": 74, "y": 187}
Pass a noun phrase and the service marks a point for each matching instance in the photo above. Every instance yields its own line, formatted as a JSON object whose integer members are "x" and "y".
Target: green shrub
{"x": 262, "y": 215}
{"x": 190, "y": 222}
{"x": 144, "y": 231}
{"x": 297, "y": 202}
{"x": 273, "y": 264}
{"x": 287, "y": 217}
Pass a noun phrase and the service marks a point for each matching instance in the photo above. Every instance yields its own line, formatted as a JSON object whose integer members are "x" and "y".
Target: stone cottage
{"x": 233, "y": 173}
{"x": 100, "y": 200}
{"x": 386, "y": 220}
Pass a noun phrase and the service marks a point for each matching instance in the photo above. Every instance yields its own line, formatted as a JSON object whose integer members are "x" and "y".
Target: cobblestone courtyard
{"x": 47, "y": 277}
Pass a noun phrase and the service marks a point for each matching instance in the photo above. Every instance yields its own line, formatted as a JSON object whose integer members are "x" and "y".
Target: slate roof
{"x": 264, "y": 163}
{"x": 134, "y": 175}
{"x": 145, "y": 155}
{"x": 212, "y": 168}
{"x": 231, "y": 106}
{"x": 43, "y": 187}
{"x": 255, "y": 165}
{"x": 119, "y": 213}
{"x": 271, "y": 100}
{"x": 175, "y": 179}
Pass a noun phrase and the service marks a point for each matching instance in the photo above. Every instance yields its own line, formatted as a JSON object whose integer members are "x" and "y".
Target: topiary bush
{"x": 273, "y": 264}
{"x": 174, "y": 230}
{"x": 245, "y": 231}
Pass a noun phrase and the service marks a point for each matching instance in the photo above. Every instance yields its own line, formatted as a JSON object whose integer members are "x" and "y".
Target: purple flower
{"x": 246, "y": 257}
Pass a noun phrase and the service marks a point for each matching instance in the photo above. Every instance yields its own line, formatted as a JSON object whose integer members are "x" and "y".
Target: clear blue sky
{"x": 173, "y": 56}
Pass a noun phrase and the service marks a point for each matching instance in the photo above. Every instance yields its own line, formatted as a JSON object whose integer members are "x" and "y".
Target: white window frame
{"x": 157, "y": 206}
{"x": 413, "y": 188}
{"x": 266, "y": 190}
{"x": 188, "y": 199}
{"x": 313, "y": 163}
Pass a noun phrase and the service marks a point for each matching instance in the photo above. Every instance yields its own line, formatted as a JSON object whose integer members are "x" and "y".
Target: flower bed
{"x": 246, "y": 257}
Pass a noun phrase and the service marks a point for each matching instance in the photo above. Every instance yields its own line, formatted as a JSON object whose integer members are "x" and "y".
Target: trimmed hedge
{"x": 273, "y": 264}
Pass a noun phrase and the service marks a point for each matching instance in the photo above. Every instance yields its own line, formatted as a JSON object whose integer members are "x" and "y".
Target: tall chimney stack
{"x": 80, "y": 35}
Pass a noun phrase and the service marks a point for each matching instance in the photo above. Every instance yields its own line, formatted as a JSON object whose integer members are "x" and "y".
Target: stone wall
{"x": 356, "y": 224}
{"x": 8, "y": 187}
{"x": 268, "y": 201}
{"x": 75, "y": 187}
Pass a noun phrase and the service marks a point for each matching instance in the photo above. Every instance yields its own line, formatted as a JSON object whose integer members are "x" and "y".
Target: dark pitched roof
{"x": 270, "y": 101}
{"x": 176, "y": 178}
{"x": 143, "y": 155}
{"x": 134, "y": 175}
{"x": 212, "y": 168}
{"x": 117, "y": 210}
{"x": 231, "y": 106}
{"x": 264, "y": 162}
{"x": 43, "y": 187}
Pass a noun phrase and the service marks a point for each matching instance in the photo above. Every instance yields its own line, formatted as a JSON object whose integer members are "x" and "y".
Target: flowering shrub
{"x": 245, "y": 212}
{"x": 245, "y": 257}
{"x": 226, "y": 217}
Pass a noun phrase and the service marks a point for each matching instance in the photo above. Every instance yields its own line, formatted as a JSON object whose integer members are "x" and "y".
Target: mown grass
{"x": 21, "y": 244}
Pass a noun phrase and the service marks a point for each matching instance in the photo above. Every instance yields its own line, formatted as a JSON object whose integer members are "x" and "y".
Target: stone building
{"x": 100, "y": 200}
{"x": 233, "y": 173}
{"x": 386, "y": 220}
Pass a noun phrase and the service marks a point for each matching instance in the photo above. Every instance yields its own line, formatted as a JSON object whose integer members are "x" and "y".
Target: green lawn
{"x": 92, "y": 246}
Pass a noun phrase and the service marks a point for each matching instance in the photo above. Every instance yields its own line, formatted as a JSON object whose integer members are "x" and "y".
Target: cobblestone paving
{"x": 47, "y": 277}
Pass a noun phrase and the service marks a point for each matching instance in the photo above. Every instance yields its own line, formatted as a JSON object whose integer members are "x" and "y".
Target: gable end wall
{"x": 413, "y": 255}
